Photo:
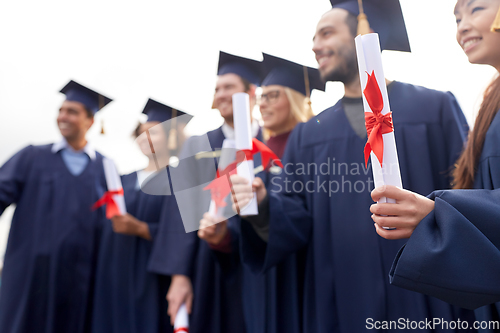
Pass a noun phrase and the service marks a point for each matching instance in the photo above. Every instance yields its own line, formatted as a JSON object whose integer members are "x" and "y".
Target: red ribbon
{"x": 220, "y": 186}
{"x": 181, "y": 329}
{"x": 111, "y": 206}
{"x": 376, "y": 123}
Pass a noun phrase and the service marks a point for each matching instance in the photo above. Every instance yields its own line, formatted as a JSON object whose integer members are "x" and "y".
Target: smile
{"x": 470, "y": 43}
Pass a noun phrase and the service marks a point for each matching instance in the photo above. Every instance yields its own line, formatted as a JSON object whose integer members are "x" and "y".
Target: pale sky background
{"x": 168, "y": 50}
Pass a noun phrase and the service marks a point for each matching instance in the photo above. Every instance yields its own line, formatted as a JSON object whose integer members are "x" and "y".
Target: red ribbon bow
{"x": 220, "y": 186}
{"x": 181, "y": 329}
{"x": 376, "y": 123}
{"x": 111, "y": 206}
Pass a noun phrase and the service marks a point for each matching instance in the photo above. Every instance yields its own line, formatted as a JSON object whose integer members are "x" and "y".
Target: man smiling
{"x": 49, "y": 262}
{"x": 347, "y": 266}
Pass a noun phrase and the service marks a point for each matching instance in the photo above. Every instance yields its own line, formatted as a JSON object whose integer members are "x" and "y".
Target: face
{"x": 275, "y": 109}
{"x": 73, "y": 120}
{"x": 474, "y": 20}
{"x": 156, "y": 135}
{"x": 334, "y": 47}
{"x": 227, "y": 85}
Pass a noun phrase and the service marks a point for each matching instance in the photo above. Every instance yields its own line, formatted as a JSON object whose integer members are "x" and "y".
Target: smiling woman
{"x": 454, "y": 251}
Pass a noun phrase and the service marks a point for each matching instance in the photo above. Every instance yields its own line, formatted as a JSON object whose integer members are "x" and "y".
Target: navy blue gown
{"x": 320, "y": 204}
{"x": 455, "y": 250}
{"x": 272, "y": 301}
{"x": 129, "y": 298}
{"x": 217, "y": 305}
{"x": 48, "y": 276}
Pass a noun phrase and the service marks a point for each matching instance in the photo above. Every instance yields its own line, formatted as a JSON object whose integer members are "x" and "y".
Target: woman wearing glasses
{"x": 271, "y": 301}
{"x": 454, "y": 249}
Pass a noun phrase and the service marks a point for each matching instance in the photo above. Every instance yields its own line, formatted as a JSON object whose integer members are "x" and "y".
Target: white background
{"x": 168, "y": 50}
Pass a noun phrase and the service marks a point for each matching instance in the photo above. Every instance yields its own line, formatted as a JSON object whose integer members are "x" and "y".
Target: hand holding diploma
{"x": 404, "y": 215}
{"x": 243, "y": 165}
{"x": 180, "y": 299}
{"x": 113, "y": 197}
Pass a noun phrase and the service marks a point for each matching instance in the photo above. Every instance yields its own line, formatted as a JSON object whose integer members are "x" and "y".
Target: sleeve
{"x": 153, "y": 230}
{"x": 13, "y": 175}
{"x": 289, "y": 219}
{"x": 454, "y": 253}
{"x": 454, "y": 126}
{"x": 173, "y": 249}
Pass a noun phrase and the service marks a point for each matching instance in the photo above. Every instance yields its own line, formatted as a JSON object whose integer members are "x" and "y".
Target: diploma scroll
{"x": 381, "y": 143}
{"x": 181, "y": 323}
{"x": 243, "y": 136}
{"x": 227, "y": 156}
{"x": 114, "y": 184}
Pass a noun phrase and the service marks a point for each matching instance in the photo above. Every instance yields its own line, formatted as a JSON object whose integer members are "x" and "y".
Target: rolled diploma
{"x": 227, "y": 155}
{"x": 243, "y": 138}
{"x": 114, "y": 183}
{"x": 181, "y": 319}
{"x": 370, "y": 59}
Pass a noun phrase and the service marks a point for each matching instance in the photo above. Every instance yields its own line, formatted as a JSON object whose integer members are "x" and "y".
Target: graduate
{"x": 128, "y": 298}
{"x": 272, "y": 301}
{"x": 48, "y": 276}
{"x": 217, "y": 305}
{"x": 321, "y": 197}
{"x": 454, "y": 249}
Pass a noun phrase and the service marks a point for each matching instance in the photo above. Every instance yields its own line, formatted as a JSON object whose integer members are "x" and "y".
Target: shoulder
{"x": 491, "y": 145}
{"x": 413, "y": 103}
{"x": 34, "y": 151}
{"x": 412, "y": 90}
{"x": 320, "y": 128}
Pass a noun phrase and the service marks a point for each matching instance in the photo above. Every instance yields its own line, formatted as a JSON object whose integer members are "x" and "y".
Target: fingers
{"x": 207, "y": 227}
{"x": 389, "y": 191}
{"x": 189, "y": 302}
{"x": 238, "y": 180}
{"x": 257, "y": 183}
{"x": 391, "y": 209}
{"x": 173, "y": 307}
{"x": 392, "y": 234}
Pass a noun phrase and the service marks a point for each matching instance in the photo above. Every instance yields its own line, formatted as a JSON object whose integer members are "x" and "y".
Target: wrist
{"x": 143, "y": 230}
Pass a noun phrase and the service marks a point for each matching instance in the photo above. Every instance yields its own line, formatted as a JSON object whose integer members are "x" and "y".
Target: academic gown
{"x": 454, "y": 253}
{"x": 217, "y": 305}
{"x": 128, "y": 297}
{"x": 48, "y": 275}
{"x": 346, "y": 284}
{"x": 272, "y": 302}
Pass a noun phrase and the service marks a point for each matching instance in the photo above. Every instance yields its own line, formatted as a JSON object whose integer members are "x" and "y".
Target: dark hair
{"x": 90, "y": 114}
{"x": 137, "y": 131}
{"x": 465, "y": 168}
{"x": 246, "y": 84}
{"x": 352, "y": 22}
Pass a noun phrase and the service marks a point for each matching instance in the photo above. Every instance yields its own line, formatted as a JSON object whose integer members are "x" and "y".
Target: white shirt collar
{"x": 228, "y": 131}
{"x": 63, "y": 144}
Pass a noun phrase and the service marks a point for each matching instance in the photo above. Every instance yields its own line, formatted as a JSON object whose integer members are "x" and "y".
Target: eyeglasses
{"x": 271, "y": 97}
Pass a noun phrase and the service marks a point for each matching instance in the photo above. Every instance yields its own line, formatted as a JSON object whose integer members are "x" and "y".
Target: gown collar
{"x": 63, "y": 144}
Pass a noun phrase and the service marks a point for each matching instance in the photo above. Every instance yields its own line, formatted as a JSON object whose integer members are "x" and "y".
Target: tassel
{"x": 102, "y": 126}
{"x": 496, "y": 23}
{"x": 306, "y": 83}
{"x": 363, "y": 25}
{"x": 172, "y": 137}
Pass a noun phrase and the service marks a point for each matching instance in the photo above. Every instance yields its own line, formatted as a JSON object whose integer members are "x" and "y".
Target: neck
{"x": 283, "y": 130}
{"x": 77, "y": 144}
{"x": 229, "y": 122}
{"x": 151, "y": 166}
{"x": 353, "y": 89}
